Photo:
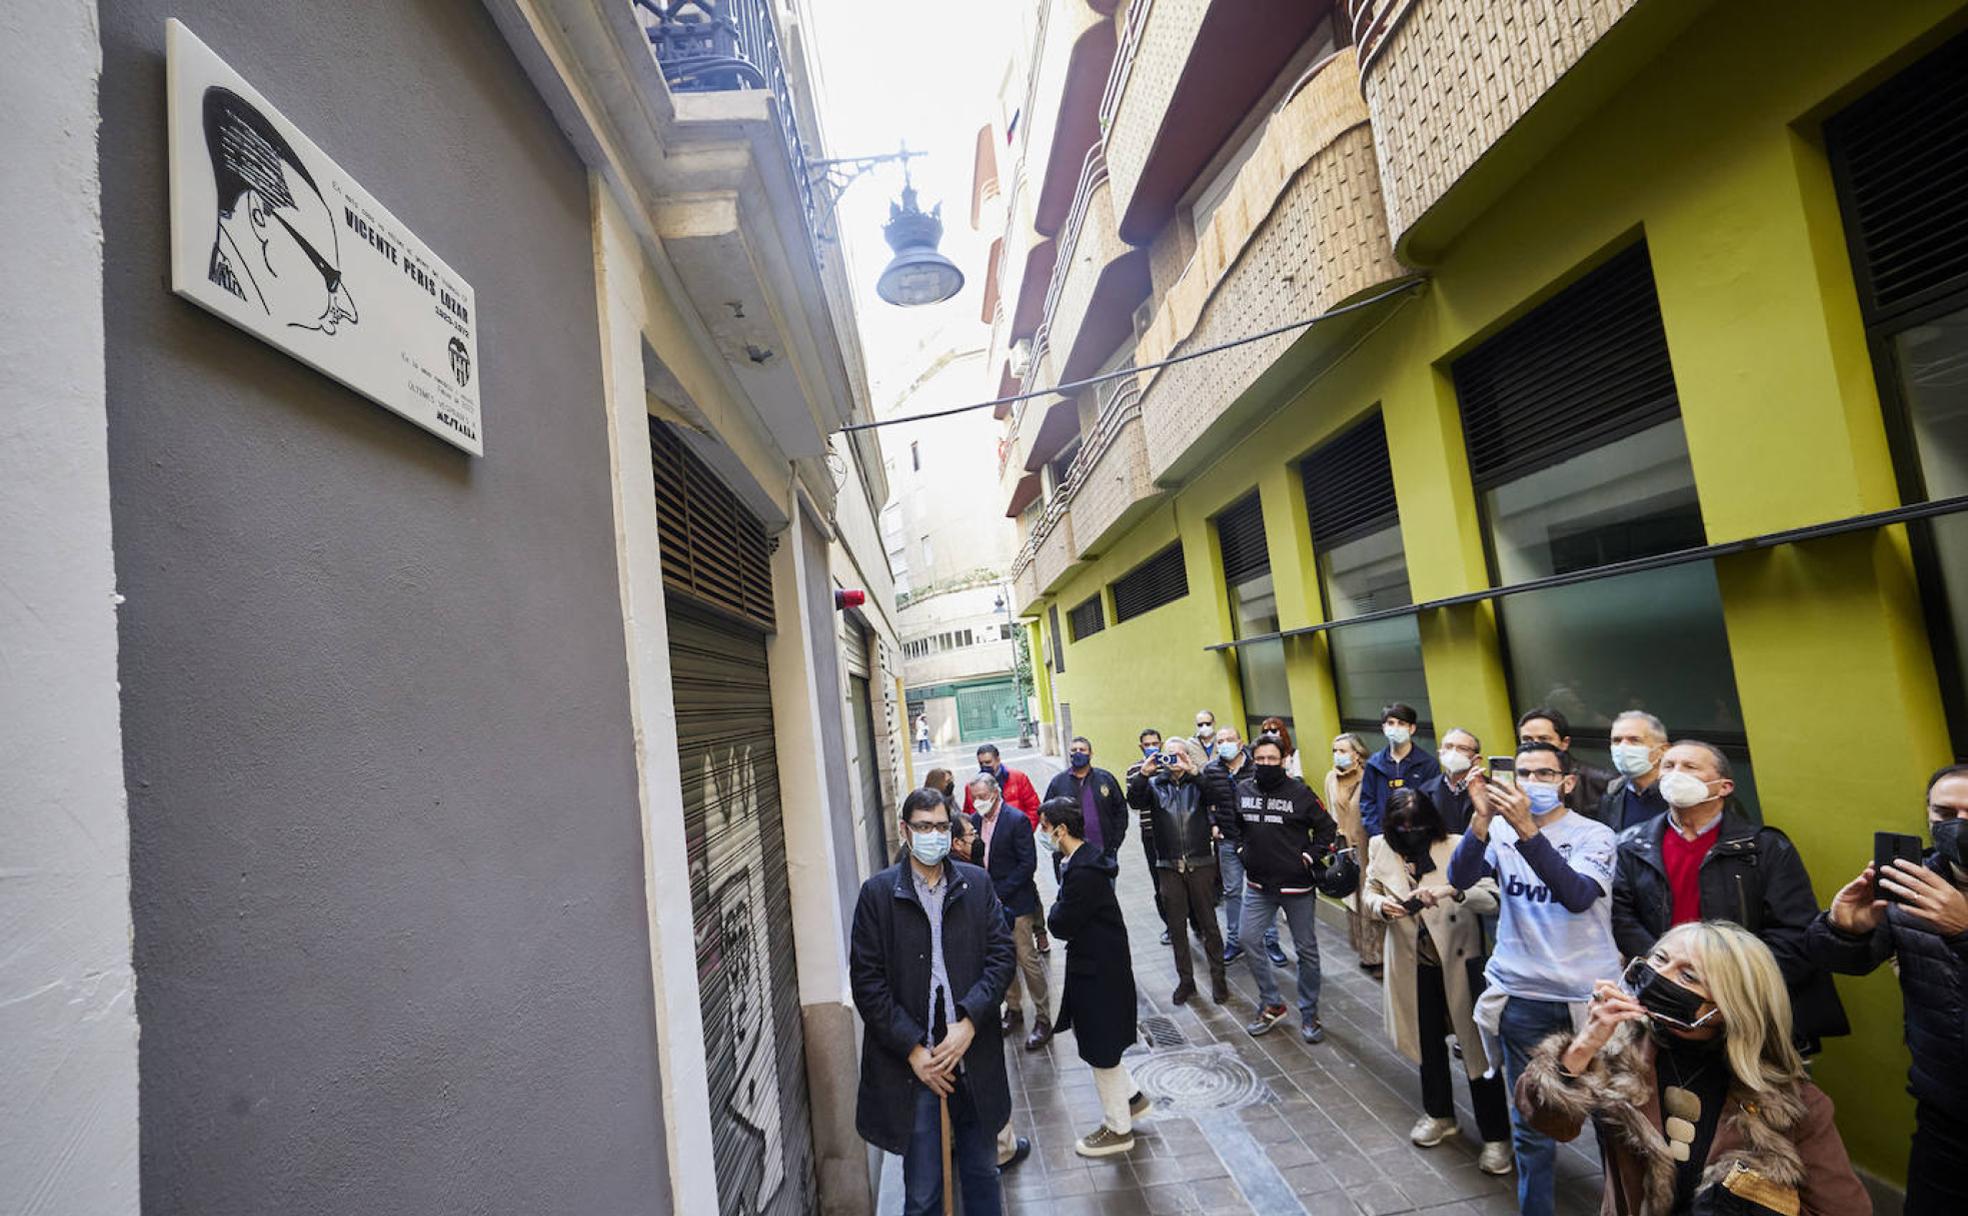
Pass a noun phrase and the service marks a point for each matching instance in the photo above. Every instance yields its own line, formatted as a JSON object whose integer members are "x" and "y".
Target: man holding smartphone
{"x": 1554, "y": 871}
{"x": 1918, "y": 913}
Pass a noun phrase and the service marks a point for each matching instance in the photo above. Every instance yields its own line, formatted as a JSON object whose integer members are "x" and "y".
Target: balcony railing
{"x": 716, "y": 46}
{"x": 1120, "y": 404}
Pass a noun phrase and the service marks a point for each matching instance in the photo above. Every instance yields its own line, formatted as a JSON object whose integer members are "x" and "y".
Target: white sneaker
{"x": 1496, "y": 1157}
{"x": 1429, "y": 1131}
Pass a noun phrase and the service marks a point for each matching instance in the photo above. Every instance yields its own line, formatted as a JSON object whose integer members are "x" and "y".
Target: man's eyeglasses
{"x": 331, "y": 278}
{"x": 931, "y": 829}
{"x": 1550, "y": 775}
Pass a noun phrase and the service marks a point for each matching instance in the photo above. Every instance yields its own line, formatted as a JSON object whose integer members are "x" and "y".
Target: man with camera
{"x": 1917, "y": 913}
{"x": 1168, "y": 793}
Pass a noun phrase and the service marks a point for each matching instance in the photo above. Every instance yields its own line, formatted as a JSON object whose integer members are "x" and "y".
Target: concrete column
{"x": 652, "y": 705}
{"x": 68, "y": 1023}
{"x": 807, "y": 694}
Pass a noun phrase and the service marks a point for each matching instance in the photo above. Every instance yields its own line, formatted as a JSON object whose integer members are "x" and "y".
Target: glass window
{"x": 1375, "y": 663}
{"x": 1634, "y": 497}
{"x": 1654, "y": 640}
{"x": 1366, "y": 575}
{"x": 1932, "y": 362}
{"x": 1260, "y": 667}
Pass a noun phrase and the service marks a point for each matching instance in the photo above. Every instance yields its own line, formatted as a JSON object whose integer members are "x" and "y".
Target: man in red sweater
{"x": 1017, "y": 786}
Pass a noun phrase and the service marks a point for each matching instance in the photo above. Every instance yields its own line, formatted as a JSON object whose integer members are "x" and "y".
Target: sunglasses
{"x": 331, "y": 278}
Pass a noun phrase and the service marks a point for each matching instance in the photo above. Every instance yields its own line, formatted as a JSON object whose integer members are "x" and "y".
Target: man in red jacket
{"x": 1017, "y": 786}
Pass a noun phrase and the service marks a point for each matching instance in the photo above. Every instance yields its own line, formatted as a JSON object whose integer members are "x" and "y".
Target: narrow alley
{"x": 1272, "y": 1126}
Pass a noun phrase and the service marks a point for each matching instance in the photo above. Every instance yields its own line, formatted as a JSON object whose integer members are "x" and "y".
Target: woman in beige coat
{"x": 1343, "y": 801}
{"x": 1434, "y": 961}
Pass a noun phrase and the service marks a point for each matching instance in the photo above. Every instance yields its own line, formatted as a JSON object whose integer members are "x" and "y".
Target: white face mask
{"x": 1397, "y": 735}
{"x": 1633, "y": 759}
{"x": 1454, "y": 761}
{"x": 985, "y": 805}
{"x": 1683, "y": 790}
{"x": 1342, "y": 760}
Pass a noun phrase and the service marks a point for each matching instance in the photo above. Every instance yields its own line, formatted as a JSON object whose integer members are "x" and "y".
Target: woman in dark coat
{"x": 1098, "y": 1004}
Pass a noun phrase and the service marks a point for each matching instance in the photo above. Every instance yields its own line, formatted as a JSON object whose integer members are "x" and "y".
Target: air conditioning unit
{"x": 1021, "y": 358}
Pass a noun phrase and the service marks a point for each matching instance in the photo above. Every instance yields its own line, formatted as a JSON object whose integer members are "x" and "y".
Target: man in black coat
{"x": 1448, "y": 790}
{"x": 1925, "y": 926}
{"x": 1101, "y": 799}
{"x": 1228, "y": 765}
{"x": 1098, "y": 1003}
{"x": 1735, "y": 870}
{"x": 1284, "y": 835}
{"x": 928, "y": 962}
{"x": 1006, "y": 851}
{"x": 1169, "y": 795}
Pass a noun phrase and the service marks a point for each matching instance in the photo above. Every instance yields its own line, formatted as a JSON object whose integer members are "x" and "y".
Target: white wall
{"x": 68, "y": 1024}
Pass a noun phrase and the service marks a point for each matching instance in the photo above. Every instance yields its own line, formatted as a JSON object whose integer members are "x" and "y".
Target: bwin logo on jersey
{"x": 1517, "y": 888}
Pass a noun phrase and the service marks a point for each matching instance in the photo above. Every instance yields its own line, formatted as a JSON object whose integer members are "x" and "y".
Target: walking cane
{"x": 938, "y": 1032}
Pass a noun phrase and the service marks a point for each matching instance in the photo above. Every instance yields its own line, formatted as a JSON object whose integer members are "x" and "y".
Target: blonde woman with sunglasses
{"x": 1685, "y": 1067}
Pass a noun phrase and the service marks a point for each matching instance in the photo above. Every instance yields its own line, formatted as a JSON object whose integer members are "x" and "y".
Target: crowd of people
{"x": 1622, "y": 948}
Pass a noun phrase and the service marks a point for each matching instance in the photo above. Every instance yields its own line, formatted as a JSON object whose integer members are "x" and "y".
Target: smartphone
{"x": 1412, "y": 904}
{"x": 1503, "y": 770}
{"x": 1888, "y": 847}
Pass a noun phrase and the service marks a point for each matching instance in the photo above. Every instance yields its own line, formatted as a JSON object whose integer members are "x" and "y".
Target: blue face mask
{"x": 1080, "y": 759}
{"x": 1046, "y": 842}
{"x": 930, "y": 848}
{"x": 1149, "y": 749}
{"x": 1544, "y": 798}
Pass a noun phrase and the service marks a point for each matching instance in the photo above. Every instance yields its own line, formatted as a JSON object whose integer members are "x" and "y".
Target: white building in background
{"x": 950, "y": 549}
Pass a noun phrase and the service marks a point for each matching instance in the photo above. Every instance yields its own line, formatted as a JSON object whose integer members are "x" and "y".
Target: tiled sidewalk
{"x": 1327, "y": 1134}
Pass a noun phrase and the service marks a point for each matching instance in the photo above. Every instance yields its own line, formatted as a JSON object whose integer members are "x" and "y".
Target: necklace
{"x": 1681, "y": 1106}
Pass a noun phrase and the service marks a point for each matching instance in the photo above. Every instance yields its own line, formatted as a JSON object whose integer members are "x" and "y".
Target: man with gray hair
{"x": 1007, "y": 851}
{"x": 1634, "y": 796}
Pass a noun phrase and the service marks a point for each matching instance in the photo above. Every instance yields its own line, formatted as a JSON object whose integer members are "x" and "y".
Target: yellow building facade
{"x": 1625, "y": 325}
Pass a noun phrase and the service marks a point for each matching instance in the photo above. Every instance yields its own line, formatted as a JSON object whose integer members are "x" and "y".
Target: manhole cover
{"x": 1159, "y": 1031}
{"x": 1195, "y": 1080}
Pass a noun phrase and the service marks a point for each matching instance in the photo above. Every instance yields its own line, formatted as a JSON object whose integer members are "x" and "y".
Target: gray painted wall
{"x": 391, "y": 946}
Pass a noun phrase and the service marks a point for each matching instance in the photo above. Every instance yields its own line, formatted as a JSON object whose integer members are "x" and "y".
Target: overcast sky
{"x": 925, "y": 71}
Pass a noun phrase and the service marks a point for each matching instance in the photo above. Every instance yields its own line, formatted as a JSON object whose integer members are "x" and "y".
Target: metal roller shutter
{"x": 1085, "y": 618}
{"x": 1582, "y": 369}
{"x": 1162, "y": 579}
{"x": 1349, "y": 486}
{"x": 1901, "y": 161}
{"x": 717, "y": 573}
{"x": 1240, "y": 534}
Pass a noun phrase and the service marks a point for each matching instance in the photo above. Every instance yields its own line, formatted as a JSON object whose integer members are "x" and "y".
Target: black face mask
{"x": 1268, "y": 776}
{"x": 1410, "y": 843}
{"x": 1948, "y": 841}
{"x": 1669, "y": 1002}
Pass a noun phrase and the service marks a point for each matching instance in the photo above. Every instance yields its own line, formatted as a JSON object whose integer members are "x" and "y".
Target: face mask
{"x": 1949, "y": 843}
{"x": 984, "y": 805}
{"x": 1268, "y": 776}
{"x": 1148, "y": 750}
{"x": 930, "y": 848}
{"x": 1342, "y": 760}
{"x": 1397, "y": 735}
{"x": 1080, "y": 759}
{"x": 1204, "y": 732}
{"x": 1047, "y": 842}
{"x": 1227, "y": 750}
{"x": 1665, "y": 1000}
{"x": 1455, "y": 762}
{"x": 1410, "y": 842}
{"x": 1544, "y": 798}
{"x": 1683, "y": 790}
{"x": 1633, "y": 759}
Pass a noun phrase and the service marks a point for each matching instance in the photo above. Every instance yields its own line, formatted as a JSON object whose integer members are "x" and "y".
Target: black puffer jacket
{"x": 1174, "y": 818}
{"x": 1220, "y": 795}
{"x": 1280, "y": 827}
{"x": 1753, "y": 877}
{"x": 1933, "y": 987}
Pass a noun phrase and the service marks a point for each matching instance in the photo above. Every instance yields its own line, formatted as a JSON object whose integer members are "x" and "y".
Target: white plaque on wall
{"x": 272, "y": 235}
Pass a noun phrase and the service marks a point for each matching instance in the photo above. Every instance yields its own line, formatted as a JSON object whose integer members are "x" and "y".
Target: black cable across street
{"x": 1073, "y": 386}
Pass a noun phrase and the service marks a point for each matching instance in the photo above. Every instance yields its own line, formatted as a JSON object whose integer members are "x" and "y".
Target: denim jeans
{"x": 973, "y": 1155}
{"x": 1231, "y": 867}
{"x": 1261, "y": 914}
{"x": 1522, "y": 1027}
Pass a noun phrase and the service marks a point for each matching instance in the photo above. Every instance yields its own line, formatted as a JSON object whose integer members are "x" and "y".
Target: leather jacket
{"x": 1174, "y": 816}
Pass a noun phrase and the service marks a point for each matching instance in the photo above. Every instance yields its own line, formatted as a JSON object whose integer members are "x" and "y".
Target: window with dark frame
{"x": 1578, "y": 459}
{"x": 1899, "y": 160}
{"x": 1356, "y": 533}
{"x": 1253, "y": 609}
{"x": 1162, "y": 579}
{"x": 1085, "y": 618}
